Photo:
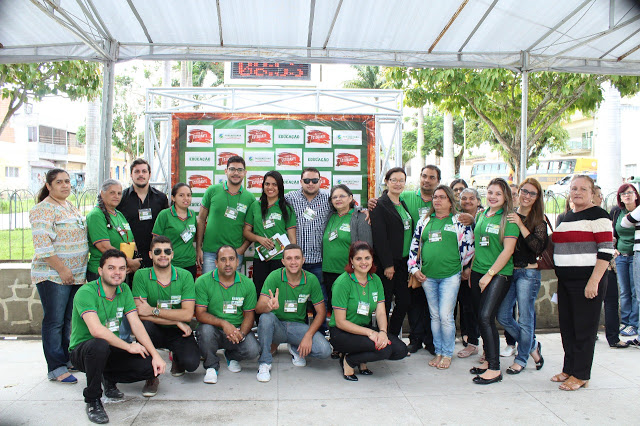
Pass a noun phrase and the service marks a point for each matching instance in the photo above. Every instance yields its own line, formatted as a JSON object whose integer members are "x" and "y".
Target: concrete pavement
{"x": 400, "y": 392}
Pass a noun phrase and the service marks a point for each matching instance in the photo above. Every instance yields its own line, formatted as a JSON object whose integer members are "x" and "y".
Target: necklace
{"x": 64, "y": 206}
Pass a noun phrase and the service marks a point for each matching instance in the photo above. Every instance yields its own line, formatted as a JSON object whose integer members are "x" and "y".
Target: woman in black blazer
{"x": 392, "y": 229}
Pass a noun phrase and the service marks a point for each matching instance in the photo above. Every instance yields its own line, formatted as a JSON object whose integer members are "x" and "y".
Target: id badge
{"x": 229, "y": 308}
{"x": 484, "y": 241}
{"x": 144, "y": 214}
{"x": 231, "y": 213}
{"x": 242, "y": 208}
{"x": 435, "y": 236}
{"x": 113, "y": 325}
{"x": 290, "y": 306}
{"x": 269, "y": 223}
{"x": 309, "y": 213}
{"x": 363, "y": 308}
{"x": 406, "y": 225}
{"x": 164, "y": 304}
{"x": 333, "y": 235}
{"x": 186, "y": 235}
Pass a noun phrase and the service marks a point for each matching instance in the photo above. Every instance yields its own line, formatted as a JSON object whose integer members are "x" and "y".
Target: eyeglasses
{"x": 458, "y": 189}
{"x": 234, "y": 169}
{"x": 158, "y": 252}
{"x": 627, "y": 194}
{"x": 528, "y": 193}
{"x": 394, "y": 180}
{"x": 440, "y": 197}
{"x": 339, "y": 197}
{"x": 311, "y": 180}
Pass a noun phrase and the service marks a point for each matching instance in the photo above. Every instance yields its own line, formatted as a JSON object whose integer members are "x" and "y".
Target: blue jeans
{"x": 209, "y": 261}
{"x": 211, "y": 338}
{"x": 57, "y": 305}
{"x": 272, "y": 330}
{"x": 524, "y": 289}
{"x": 442, "y": 294}
{"x": 628, "y": 299}
{"x": 316, "y": 269}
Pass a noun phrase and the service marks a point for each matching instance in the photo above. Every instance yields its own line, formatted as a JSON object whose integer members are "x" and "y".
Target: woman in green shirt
{"x": 178, "y": 223}
{"x": 357, "y": 293}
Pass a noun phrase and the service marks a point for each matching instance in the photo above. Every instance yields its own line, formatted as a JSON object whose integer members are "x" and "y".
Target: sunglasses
{"x": 308, "y": 180}
{"x": 158, "y": 251}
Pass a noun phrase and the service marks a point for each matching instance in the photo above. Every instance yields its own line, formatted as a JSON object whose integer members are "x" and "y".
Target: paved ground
{"x": 400, "y": 392}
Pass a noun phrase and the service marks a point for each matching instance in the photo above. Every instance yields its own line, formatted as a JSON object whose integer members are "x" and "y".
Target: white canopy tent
{"x": 585, "y": 36}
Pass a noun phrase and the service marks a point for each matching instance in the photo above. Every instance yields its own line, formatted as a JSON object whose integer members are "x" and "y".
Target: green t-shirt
{"x": 293, "y": 300}
{"x": 415, "y": 204}
{"x": 272, "y": 224}
{"x": 182, "y": 234}
{"x": 91, "y": 298}
{"x": 118, "y": 232}
{"x": 626, "y": 236}
{"x": 440, "y": 252}
{"x": 408, "y": 232}
{"x": 170, "y": 296}
{"x": 359, "y": 301}
{"x": 226, "y": 303}
{"x": 226, "y": 216}
{"x": 488, "y": 244}
{"x": 336, "y": 241}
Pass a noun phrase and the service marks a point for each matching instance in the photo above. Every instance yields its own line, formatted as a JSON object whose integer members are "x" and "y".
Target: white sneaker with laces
{"x": 234, "y": 366}
{"x": 296, "y": 359}
{"x": 508, "y": 351}
{"x": 264, "y": 372}
{"x": 211, "y": 376}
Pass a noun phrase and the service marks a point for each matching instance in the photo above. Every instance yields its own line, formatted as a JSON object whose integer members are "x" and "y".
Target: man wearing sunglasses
{"x": 221, "y": 217}
{"x": 165, "y": 298}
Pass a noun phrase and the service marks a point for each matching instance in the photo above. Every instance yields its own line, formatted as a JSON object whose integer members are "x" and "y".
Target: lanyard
{"x": 104, "y": 307}
{"x": 158, "y": 285}
{"x": 340, "y": 220}
{"x": 124, "y": 235}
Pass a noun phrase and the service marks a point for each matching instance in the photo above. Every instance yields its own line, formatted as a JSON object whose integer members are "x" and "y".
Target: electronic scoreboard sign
{"x": 270, "y": 71}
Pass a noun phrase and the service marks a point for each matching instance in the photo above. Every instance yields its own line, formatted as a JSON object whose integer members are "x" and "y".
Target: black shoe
{"x": 477, "y": 370}
{"x": 540, "y": 362}
{"x": 414, "y": 347}
{"x": 511, "y": 370}
{"x": 431, "y": 349}
{"x": 349, "y": 378}
{"x": 482, "y": 381}
{"x": 111, "y": 390}
{"x": 365, "y": 371}
{"x": 335, "y": 355}
{"x": 96, "y": 413}
{"x": 619, "y": 345}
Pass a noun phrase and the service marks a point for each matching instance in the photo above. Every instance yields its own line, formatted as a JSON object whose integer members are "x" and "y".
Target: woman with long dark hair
{"x": 58, "y": 268}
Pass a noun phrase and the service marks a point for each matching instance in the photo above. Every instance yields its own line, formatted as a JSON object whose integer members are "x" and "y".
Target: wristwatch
{"x": 156, "y": 312}
{"x": 491, "y": 272}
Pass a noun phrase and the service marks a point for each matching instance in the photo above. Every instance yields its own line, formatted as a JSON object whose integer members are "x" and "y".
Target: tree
{"x": 367, "y": 77}
{"x": 203, "y": 70}
{"x": 20, "y": 83}
{"x": 125, "y": 119}
{"x": 493, "y": 96}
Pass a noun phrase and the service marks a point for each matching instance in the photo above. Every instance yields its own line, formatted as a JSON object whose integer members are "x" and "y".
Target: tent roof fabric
{"x": 590, "y": 36}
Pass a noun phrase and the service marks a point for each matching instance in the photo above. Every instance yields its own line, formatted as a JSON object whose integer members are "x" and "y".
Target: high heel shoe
{"x": 350, "y": 378}
{"x": 573, "y": 384}
{"x": 539, "y": 362}
{"x": 365, "y": 371}
{"x": 560, "y": 378}
{"x": 477, "y": 370}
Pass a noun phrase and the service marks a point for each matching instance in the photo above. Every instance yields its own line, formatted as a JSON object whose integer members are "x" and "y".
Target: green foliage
{"x": 367, "y": 77}
{"x": 125, "y": 118}
{"x": 81, "y": 134}
{"x": 200, "y": 70}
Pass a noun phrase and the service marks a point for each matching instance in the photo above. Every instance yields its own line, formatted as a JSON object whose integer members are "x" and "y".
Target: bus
{"x": 548, "y": 172}
{"x": 483, "y": 172}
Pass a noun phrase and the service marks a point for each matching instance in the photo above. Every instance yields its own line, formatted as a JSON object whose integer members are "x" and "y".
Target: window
{"x": 11, "y": 172}
{"x": 33, "y": 134}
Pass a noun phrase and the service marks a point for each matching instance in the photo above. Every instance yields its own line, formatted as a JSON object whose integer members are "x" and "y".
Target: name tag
{"x": 231, "y": 213}
{"x": 435, "y": 236}
{"x": 186, "y": 235}
{"x": 406, "y": 224}
{"x": 493, "y": 229}
{"x": 309, "y": 214}
{"x": 229, "y": 308}
{"x": 363, "y": 308}
{"x": 242, "y": 208}
{"x": 449, "y": 227}
{"x": 346, "y": 227}
{"x": 164, "y": 304}
{"x": 290, "y": 306}
{"x": 302, "y": 298}
{"x": 112, "y": 324}
{"x": 333, "y": 235}
{"x": 144, "y": 214}
{"x": 484, "y": 241}
{"x": 269, "y": 223}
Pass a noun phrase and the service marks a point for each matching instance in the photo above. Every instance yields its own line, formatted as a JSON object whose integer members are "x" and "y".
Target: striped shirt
{"x": 310, "y": 226}
{"x": 633, "y": 220}
{"x": 580, "y": 240}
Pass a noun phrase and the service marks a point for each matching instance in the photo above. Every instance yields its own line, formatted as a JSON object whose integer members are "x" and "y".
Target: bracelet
{"x": 383, "y": 331}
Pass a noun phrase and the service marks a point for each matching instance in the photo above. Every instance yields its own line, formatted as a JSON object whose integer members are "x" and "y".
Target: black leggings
{"x": 486, "y": 304}
{"x": 468, "y": 322}
{"x": 328, "y": 279}
{"x": 396, "y": 287}
{"x": 360, "y": 349}
{"x": 185, "y": 349}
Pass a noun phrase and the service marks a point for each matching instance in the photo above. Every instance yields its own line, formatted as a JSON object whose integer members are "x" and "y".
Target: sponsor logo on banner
{"x": 291, "y": 181}
{"x": 219, "y": 179}
{"x": 254, "y": 181}
{"x": 289, "y": 159}
{"x": 288, "y": 136}
{"x": 325, "y": 180}
{"x": 356, "y": 198}
{"x": 230, "y": 136}
{"x": 199, "y": 180}
{"x": 354, "y": 182}
{"x": 317, "y": 137}
{"x": 196, "y": 202}
{"x": 318, "y": 159}
{"x": 199, "y": 136}
{"x": 223, "y": 155}
{"x": 259, "y": 158}
{"x": 199, "y": 159}
{"x": 259, "y": 136}
{"x": 348, "y": 159}
{"x": 249, "y": 267}
{"x": 250, "y": 251}
{"x": 347, "y": 137}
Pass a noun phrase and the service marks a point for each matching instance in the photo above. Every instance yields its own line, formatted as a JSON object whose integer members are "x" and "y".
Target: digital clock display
{"x": 270, "y": 71}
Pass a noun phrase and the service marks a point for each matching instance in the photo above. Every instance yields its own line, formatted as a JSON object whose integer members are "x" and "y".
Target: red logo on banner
{"x": 200, "y": 136}
{"x": 255, "y": 181}
{"x": 288, "y": 159}
{"x": 223, "y": 157}
{"x": 324, "y": 183}
{"x": 317, "y": 136}
{"x": 199, "y": 181}
{"x": 259, "y": 136}
{"x": 250, "y": 271}
{"x": 345, "y": 159}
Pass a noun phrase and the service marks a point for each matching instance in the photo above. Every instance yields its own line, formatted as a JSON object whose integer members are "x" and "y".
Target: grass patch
{"x": 16, "y": 245}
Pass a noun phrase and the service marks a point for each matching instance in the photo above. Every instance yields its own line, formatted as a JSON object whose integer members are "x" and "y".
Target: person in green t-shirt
{"x": 271, "y": 216}
{"x": 221, "y": 217}
{"x": 96, "y": 347}
{"x": 357, "y": 294}
{"x": 225, "y": 309}
{"x": 283, "y": 305}
{"x": 491, "y": 272}
{"x": 165, "y": 298}
{"x": 178, "y": 223}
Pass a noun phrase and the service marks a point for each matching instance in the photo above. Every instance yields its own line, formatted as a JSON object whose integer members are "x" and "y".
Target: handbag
{"x": 413, "y": 281}
{"x": 545, "y": 260}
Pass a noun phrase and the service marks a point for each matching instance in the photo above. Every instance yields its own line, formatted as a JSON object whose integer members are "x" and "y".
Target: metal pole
{"x": 106, "y": 122}
{"x": 524, "y": 115}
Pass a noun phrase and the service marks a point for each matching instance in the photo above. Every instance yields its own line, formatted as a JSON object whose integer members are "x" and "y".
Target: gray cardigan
{"x": 360, "y": 229}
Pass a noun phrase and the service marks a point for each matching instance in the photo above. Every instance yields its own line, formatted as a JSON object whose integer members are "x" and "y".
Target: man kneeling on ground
{"x": 96, "y": 348}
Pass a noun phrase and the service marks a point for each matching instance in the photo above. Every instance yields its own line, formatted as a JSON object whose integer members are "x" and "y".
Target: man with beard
{"x": 96, "y": 348}
{"x": 140, "y": 204}
{"x": 221, "y": 217}
{"x": 225, "y": 308}
{"x": 165, "y": 297}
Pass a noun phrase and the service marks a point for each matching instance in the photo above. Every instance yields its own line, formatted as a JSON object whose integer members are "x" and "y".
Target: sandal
{"x": 573, "y": 384}
{"x": 540, "y": 361}
{"x": 435, "y": 361}
{"x": 466, "y": 352}
{"x": 560, "y": 377}
{"x": 444, "y": 363}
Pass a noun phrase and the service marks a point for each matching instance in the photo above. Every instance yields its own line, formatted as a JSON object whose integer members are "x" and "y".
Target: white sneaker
{"x": 211, "y": 376}
{"x": 296, "y": 359}
{"x": 508, "y": 351}
{"x": 234, "y": 366}
{"x": 264, "y": 372}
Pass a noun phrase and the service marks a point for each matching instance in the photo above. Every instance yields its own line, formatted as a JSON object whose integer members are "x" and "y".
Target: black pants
{"x": 360, "y": 349}
{"x": 194, "y": 271}
{"x": 486, "y": 304}
{"x": 396, "y": 287}
{"x": 611, "y": 310}
{"x": 328, "y": 279}
{"x": 185, "y": 349}
{"x": 579, "y": 318}
{"x": 261, "y": 271}
{"x": 97, "y": 359}
{"x": 468, "y": 321}
{"x": 419, "y": 318}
